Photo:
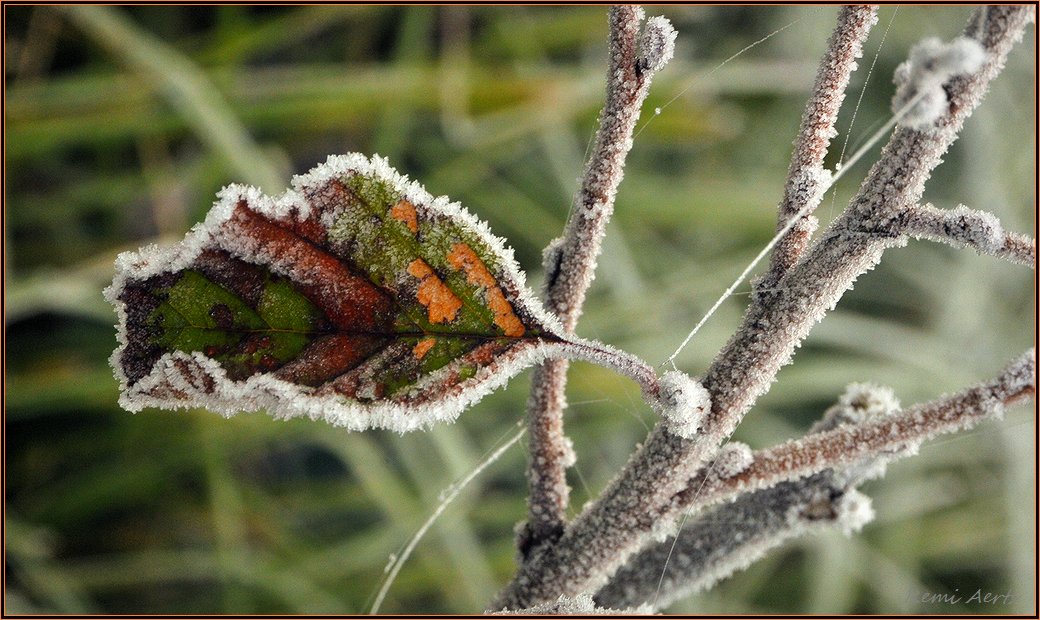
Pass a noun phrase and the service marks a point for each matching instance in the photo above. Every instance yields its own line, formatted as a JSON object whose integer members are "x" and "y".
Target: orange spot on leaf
{"x": 463, "y": 257}
{"x": 441, "y": 303}
{"x": 423, "y": 347}
{"x": 404, "y": 211}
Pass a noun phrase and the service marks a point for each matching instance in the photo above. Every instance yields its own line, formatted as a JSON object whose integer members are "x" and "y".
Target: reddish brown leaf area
{"x": 243, "y": 279}
{"x": 350, "y": 302}
{"x": 367, "y": 382}
{"x": 439, "y": 300}
{"x": 328, "y": 357}
{"x": 463, "y": 257}
{"x": 486, "y": 353}
{"x": 310, "y": 229}
{"x": 404, "y": 211}
{"x": 327, "y": 197}
{"x": 198, "y": 380}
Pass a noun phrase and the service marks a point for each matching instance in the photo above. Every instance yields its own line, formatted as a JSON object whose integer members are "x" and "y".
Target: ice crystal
{"x": 931, "y": 64}
{"x": 733, "y": 458}
{"x": 579, "y": 605}
{"x": 657, "y": 44}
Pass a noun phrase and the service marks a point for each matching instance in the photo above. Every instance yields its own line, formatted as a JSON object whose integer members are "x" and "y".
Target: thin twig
{"x": 727, "y": 540}
{"x": 849, "y": 444}
{"x": 978, "y": 230}
{"x": 571, "y": 261}
{"x": 806, "y": 173}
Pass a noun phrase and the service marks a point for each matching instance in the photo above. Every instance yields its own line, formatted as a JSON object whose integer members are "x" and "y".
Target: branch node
{"x": 849, "y": 509}
{"x": 682, "y": 402}
{"x": 733, "y": 458}
{"x": 931, "y": 64}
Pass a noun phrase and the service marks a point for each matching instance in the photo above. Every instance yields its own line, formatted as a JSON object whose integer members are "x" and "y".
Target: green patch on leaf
{"x": 199, "y": 315}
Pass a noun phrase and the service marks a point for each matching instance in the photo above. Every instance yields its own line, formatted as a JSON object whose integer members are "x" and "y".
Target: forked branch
{"x": 570, "y": 261}
{"x": 728, "y": 538}
{"x": 848, "y": 444}
{"x": 800, "y": 486}
{"x": 650, "y": 490}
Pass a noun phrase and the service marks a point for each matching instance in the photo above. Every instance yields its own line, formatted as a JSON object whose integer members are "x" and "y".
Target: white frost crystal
{"x": 932, "y": 63}
{"x": 683, "y": 402}
{"x": 854, "y": 512}
{"x": 580, "y": 605}
{"x": 859, "y": 403}
{"x": 733, "y": 458}
{"x": 657, "y": 44}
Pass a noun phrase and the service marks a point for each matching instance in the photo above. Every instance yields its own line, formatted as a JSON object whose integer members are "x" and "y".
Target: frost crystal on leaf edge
{"x": 189, "y": 372}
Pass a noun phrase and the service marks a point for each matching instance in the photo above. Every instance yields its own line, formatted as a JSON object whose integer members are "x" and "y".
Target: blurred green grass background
{"x": 122, "y": 123}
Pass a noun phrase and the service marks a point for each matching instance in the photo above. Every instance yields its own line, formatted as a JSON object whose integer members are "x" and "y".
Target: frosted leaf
{"x": 921, "y": 78}
{"x": 355, "y": 297}
{"x": 682, "y": 402}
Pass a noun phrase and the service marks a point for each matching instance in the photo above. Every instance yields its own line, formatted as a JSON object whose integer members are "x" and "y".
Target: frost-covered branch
{"x": 580, "y": 605}
{"x": 849, "y": 444}
{"x": 802, "y": 486}
{"x": 731, "y": 537}
{"x": 978, "y": 230}
{"x": 570, "y": 261}
{"x": 806, "y": 174}
{"x": 646, "y": 492}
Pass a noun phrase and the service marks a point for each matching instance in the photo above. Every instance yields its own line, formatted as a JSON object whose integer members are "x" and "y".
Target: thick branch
{"x": 645, "y": 492}
{"x": 799, "y": 486}
{"x": 732, "y": 536}
{"x": 806, "y": 174}
{"x": 978, "y": 230}
{"x": 571, "y": 260}
{"x": 581, "y": 605}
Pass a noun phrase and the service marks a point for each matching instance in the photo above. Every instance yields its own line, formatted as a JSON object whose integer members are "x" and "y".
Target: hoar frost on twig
{"x": 580, "y": 605}
{"x": 729, "y": 538}
{"x": 665, "y": 477}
